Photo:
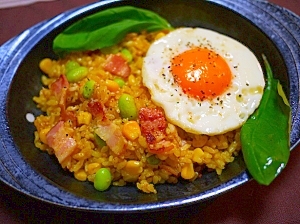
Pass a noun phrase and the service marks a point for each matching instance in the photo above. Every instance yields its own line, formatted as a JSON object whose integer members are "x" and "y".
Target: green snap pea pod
{"x": 99, "y": 141}
{"x": 127, "y": 107}
{"x": 88, "y": 89}
{"x": 71, "y": 65}
{"x": 102, "y": 179}
{"x": 120, "y": 82}
{"x": 153, "y": 160}
{"x": 126, "y": 54}
{"x": 265, "y": 137}
{"x": 77, "y": 74}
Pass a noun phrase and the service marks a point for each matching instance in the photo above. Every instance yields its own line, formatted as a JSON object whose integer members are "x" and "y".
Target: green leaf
{"x": 107, "y": 28}
{"x": 265, "y": 137}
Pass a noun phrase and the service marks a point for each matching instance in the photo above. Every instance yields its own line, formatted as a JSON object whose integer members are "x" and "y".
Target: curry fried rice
{"x": 75, "y": 120}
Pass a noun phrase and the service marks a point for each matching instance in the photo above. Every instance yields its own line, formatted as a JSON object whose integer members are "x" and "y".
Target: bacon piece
{"x": 117, "y": 65}
{"x": 61, "y": 142}
{"x": 60, "y": 89}
{"x": 96, "y": 108}
{"x": 153, "y": 123}
{"x": 112, "y": 135}
{"x": 153, "y": 128}
{"x": 59, "y": 84}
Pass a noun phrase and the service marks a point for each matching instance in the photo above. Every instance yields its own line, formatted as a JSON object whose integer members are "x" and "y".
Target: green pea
{"x": 120, "y": 82}
{"x": 126, "y": 54}
{"x": 99, "y": 141}
{"x": 88, "y": 89}
{"x": 153, "y": 160}
{"x": 77, "y": 74}
{"x": 127, "y": 107}
{"x": 102, "y": 179}
{"x": 71, "y": 65}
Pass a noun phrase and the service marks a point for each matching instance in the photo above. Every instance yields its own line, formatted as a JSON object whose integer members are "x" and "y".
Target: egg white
{"x": 225, "y": 112}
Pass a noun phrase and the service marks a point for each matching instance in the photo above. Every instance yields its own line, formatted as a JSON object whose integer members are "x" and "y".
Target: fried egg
{"x": 206, "y": 82}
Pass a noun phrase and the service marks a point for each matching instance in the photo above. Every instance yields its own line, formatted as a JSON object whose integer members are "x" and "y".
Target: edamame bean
{"x": 126, "y": 54}
{"x": 88, "y": 89}
{"x": 127, "y": 107}
{"x": 153, "y": 160}
{"x": 71, "y": 65}
{"x": 102, "y": 179}
{"x": 120, "y": 82}
{"x": 77, "y": 74}
{"x": 99, "y": 141}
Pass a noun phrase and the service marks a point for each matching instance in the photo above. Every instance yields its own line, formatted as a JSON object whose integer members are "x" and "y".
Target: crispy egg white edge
{"x": 207, "y": 116}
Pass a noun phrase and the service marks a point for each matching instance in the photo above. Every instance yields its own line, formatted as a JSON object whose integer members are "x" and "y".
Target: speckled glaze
{"x": 265, "y": 28}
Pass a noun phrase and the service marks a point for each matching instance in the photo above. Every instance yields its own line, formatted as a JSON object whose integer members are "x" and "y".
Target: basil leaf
{"x": 265, "y": 137}
{"x": 107, "y": 28}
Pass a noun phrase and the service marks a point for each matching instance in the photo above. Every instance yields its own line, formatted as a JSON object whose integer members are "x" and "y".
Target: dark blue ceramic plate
{"x": 263, "y": 27}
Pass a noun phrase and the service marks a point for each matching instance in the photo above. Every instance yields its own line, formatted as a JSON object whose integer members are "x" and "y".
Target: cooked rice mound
{"x": 179, "y": 154}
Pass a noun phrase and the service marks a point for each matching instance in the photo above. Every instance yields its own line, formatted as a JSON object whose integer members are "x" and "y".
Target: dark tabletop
{"x": 250, "y": 203}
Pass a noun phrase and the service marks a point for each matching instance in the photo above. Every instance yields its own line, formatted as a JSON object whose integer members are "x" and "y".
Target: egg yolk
{"x": 201, "y": 73}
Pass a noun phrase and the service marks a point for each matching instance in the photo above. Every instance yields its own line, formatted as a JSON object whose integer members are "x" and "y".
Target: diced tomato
{"x": 153, "y": 128}
{"x": 62, "y": 143}
{"x": 117, "y": 65}
{"x": 112, "y": 135}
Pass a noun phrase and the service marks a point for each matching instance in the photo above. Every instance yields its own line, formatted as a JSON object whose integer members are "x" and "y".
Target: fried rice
{"x": 187, "y": 155}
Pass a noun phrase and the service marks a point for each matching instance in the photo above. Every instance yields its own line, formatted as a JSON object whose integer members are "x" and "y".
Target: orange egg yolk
{"x": 201, "y": 73}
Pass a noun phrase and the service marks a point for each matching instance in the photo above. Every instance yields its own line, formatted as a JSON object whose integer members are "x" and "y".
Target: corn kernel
{"x": 198, "y": 155}
{"x": 84, "y": 117}
{"x": 133, "y": 167}
{"x": 45, "y": 65}
{"x": 131, "y": 130}
{"x": 142, "y": 142}
{"x": 80, "y": 175}
{"x": 43, "y": 135}
{"x": 112, "y": 85}
{"x": 131, "y": 80}
{"x": 187, "y": 171}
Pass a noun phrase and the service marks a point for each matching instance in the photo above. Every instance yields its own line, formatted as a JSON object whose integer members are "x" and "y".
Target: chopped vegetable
{"x": 187, "y": 171}
{"x": 88, "y": 89}
{"x": 99, "y": 141}
{"x": 102, "y": 179}
{"x": 76, "y": 74}
{"x": 126, "y": 54}
{"x": 84, "y": 117}
{"x": 131, "y": 130}
{"x": 153, "y": 160}
{"x": 133, "y": 167}
{"x": 71, "y": 65}
{"x": 46, "y": 65}
{"x": 127, "y": 107}
{"x": 107, "y": 28}
{"x": 265, "y": 136}
{"x": 120, "y": 82}
{"x": 112, "y": 85}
